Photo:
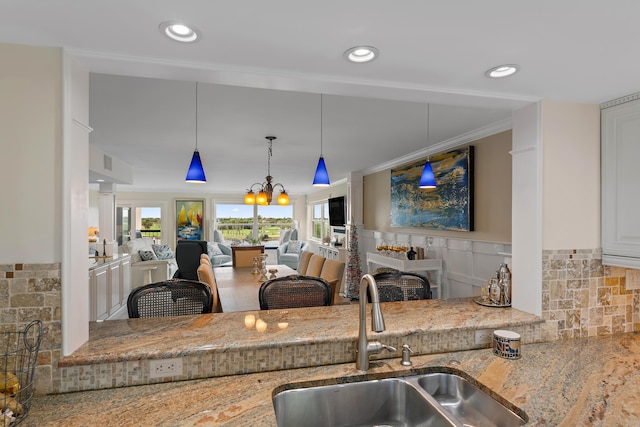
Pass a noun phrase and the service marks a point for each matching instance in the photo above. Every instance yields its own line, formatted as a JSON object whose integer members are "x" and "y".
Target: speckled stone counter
{"x": 580, "y": 382}
{"x": 119, "y": 352}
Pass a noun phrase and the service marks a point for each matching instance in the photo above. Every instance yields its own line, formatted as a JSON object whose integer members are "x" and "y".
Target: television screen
{"x": 337, "y": 212}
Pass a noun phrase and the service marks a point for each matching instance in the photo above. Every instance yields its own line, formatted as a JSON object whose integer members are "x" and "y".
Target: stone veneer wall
{"x": 585, "y": 298}
{"x": 30, "y": 292}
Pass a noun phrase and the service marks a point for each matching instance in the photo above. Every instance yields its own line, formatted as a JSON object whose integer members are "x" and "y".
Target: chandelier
{"x": 265, "y": 192}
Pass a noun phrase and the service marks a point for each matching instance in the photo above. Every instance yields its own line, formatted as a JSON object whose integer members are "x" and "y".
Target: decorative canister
{"x": 506, "y": 344}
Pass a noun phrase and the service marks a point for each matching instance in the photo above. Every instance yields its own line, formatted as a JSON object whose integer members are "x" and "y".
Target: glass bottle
{"x": 411, "y": 254}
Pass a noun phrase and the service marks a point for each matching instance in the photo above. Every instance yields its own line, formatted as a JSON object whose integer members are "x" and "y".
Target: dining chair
{"x": 332, "y": 271}
{"x": 242, "y": 256}
{"x": 188, "y": 254}
{"x": 206, "y": 275}
{"x": 305, "y": 256}
{"x": 402, "y": 286}
{"x": 204, "y": 258}
{"x": 315, "y": 265}
{"x": 175, "y": 297}
{"x": 294, "y": 292}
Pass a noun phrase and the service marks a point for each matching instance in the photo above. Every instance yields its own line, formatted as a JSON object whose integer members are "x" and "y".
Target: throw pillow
{"x": 213, "y": 249}
{"x": 294, "y": 234}
{"x": 217, "y": 236}
{"x": 286, "y": 236}
{"x": 162, "y": 251}
{"x": 147, "y": 255}
{"x": 293, "y": 247}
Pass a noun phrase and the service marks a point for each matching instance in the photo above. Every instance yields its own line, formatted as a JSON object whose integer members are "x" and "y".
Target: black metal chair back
{"x": 402, "y": 286}
{"x": 294, "y": 292}
{"x": 173, "y": 297}
{"x": 188, "y": 258}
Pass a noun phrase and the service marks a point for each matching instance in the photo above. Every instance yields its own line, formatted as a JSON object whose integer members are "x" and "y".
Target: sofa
{"x": 220, "y": 253}
{"x": 165, "y": 268}
{"x": 289, "y": 253}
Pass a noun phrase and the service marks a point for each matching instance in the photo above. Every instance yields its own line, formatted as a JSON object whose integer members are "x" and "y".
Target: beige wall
{"x": 492, "y": 195}
{"x": 571, "y": 175}
{"x": 31, "y": 172}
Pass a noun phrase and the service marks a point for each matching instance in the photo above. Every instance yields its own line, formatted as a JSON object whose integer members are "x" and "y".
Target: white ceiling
{"x": 263, "y": 65}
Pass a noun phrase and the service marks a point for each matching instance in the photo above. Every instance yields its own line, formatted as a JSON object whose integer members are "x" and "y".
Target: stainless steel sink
{"x": 435, "y": 399}
{"x": 388, "y": 402}
{"x": 468, "y": 403}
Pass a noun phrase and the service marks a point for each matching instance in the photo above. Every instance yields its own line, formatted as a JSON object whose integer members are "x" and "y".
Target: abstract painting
{"x": 189, "y": 219}
{"x": 449, "y": 206}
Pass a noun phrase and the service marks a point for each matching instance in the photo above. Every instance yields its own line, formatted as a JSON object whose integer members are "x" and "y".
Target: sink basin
{"x": 433, "y": 399}
{"x": 468, "y": 403}
{"x": 388, "y": 402}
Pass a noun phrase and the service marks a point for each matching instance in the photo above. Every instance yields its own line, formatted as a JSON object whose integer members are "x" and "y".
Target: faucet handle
{"x": 389, "y": 348}
{"x": 374, "y": 347}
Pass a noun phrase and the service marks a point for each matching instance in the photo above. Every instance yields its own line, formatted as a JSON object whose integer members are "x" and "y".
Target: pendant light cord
{"x": 196, "y": 116}
{"x": 428, "y": 131}
{"x": 321, "y": 109}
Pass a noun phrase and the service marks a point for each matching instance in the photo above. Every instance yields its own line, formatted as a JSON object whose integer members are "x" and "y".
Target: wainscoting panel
{"x": 466, "y": 263}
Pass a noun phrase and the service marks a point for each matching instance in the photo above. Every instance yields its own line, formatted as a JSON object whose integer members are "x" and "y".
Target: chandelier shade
{"x": 195, "y": 173}
{"x": 263, "y": 193}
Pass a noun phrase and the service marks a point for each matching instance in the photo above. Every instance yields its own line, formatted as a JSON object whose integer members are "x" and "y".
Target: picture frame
{"x": 190, "y": 219}
{"x": 449, "y": 206}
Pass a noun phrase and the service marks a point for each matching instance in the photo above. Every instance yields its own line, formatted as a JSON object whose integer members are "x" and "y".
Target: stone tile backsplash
{"x": 30, "y": 292}
{"x": 585, "y": 298}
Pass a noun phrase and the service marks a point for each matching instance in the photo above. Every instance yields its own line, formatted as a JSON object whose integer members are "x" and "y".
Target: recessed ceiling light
{"x": 502, "y": 71}
{"x": 360, "y": 54}
{"x": 99, "y": 180}
{"x": 179, "y": 32}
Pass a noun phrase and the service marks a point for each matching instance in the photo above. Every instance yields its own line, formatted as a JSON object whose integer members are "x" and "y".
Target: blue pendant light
{"x": 195, "y": 173}
{"x": 321, "y": 178}
{"x": 427, "y": 180}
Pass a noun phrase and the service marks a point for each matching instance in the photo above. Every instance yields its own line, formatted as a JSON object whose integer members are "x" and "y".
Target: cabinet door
{"x": 620, "y": 190}
{"x": 125, "y": 282}
{"x": 116, "y": 286}
{"x": 101, "y": 292}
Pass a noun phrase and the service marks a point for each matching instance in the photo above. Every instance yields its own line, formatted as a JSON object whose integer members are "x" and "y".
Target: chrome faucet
{"x": 365, "y": 347}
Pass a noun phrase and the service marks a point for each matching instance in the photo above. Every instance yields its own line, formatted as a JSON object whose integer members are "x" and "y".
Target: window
{"x": 320, "y": 222}
{"x": 249, "y": 222}
{"x": 148, "y": 223}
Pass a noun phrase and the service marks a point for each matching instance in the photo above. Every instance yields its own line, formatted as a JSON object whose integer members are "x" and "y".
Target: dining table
{"x": 238, "y": 286}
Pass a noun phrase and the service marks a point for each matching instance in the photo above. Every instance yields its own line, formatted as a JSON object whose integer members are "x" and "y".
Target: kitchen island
{"x": 580, "y": 382}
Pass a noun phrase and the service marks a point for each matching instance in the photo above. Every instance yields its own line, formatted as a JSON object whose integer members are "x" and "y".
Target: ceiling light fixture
{"x": 427, "y": 179}
{"x": 195, "y": 173}
{"x": 265, "y": 193}
{"x": 321, "y": 177}
{"x": 179, "y": 32}
{"x": 361, "y": 54}
{"x": 502, "y": 71}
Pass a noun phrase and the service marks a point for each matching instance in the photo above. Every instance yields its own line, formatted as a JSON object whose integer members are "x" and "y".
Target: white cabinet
{"x": 116, "y": 285}
{"x": 620, "y": 145}
{"x": 109, "y": 285}
{"x": 331, "y": 252}
{"x": 99, "y": 293}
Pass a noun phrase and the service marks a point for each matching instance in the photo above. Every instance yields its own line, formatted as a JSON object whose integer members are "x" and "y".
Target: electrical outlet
{"x": 484, "y": 336}
{"x": 165, "y": 368}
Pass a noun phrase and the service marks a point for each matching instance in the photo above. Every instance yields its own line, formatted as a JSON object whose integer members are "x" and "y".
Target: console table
{"x": 410, "y": 266}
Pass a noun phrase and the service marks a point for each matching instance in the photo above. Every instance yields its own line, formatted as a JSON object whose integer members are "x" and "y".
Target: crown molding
{"x": 464, "y": 139}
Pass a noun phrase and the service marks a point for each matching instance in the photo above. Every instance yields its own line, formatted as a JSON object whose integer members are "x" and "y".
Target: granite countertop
{"x": 136, "y": 339}
{"x": 585, "y": 382}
